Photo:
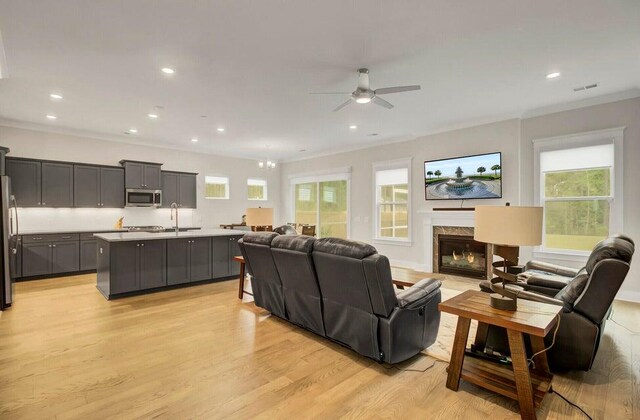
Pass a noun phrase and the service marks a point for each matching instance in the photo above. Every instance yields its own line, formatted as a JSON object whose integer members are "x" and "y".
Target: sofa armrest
{"x": 416, "y": 295}
{"x": 551, "y": 281}
{"x": 551, "y": 268}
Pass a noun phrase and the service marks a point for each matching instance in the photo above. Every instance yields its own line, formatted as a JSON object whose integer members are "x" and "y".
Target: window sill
{"x": 559, "y": 256}
{"x": 400, "y": 242}
{"x": 216, "y": 198}
{"x": 257, "y": 199}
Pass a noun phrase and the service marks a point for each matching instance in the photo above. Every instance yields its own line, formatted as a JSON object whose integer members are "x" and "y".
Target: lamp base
{"x": 502, "y": 302}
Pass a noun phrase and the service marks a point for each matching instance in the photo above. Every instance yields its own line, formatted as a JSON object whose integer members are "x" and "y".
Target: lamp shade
{"x": 259, "y": 216}
{"x": 508, "y": 225}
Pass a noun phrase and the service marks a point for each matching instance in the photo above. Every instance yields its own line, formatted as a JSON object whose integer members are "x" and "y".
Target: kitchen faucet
{"x": 175, "y": 206}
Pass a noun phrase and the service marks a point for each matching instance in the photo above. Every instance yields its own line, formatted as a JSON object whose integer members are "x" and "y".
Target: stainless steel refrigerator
{"x": 9, "y": 242}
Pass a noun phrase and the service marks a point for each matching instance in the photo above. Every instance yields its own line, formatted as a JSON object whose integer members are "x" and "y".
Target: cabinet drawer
{"x": 87, "y": 236}
{"x": 51, "y": 237}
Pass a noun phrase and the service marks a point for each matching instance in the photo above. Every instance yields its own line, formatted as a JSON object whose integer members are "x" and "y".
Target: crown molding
{"x": 582, "y": 103}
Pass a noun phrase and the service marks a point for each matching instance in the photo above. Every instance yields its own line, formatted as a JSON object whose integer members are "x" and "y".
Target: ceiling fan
{"x": 364, "y": 94}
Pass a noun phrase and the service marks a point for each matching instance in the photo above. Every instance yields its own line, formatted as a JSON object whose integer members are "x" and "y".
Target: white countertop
{"x": 145, "y": 236}
{"x": 54, "y": 231}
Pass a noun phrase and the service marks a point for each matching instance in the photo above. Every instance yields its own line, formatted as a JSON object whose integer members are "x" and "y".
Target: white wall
{"x": 497, "y": 137}
{"x": 616, "y": 114}
{"x": 210, "y": 213}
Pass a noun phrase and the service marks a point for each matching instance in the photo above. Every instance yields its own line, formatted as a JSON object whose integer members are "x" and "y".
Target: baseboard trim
{"x": 628, "y": 296}
{"x": 408, "y": 264}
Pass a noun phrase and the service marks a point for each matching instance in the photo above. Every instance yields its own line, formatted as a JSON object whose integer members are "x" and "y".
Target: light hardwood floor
{"x": 66, "y": 352}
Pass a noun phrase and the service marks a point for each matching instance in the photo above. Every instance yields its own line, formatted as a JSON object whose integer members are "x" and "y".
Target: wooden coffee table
{"x": 519, "y": 382}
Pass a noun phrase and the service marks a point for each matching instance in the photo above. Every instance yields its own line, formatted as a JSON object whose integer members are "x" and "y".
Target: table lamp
{"x": 507, "y": 228}
{"x": 260, "y": 218}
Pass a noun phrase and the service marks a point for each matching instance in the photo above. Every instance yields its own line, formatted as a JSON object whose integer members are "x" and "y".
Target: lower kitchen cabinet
{"x": 188, "y": 260}
{"x": 224, "y": 249}
{"x": 65, "y": 257}
{"x": 134, "y": 265}
{"x": 36, "y": 259}
{"x": 88, "y": 255}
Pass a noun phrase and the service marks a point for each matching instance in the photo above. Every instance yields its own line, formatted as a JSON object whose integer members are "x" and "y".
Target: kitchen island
{"x": 140, "y": 262}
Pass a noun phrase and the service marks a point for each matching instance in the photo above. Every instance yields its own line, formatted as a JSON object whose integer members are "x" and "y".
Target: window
{"x": 216, "y": 187}
{"x": 578, "y": 191}
{"x": 392, "y": 200}
{"x": 256, "y": 189}
{"x": 323, "y": 201}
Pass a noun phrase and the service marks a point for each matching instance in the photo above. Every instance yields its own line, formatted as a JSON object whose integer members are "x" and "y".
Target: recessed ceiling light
{"x": 154, "y": 116}
{"x": 553, "y": 75}
{"x": 55, "y": 96}
{"x": 220, "y": 130}
{"x": 51, "y": 117}
{"x": 195, "y": 140}
{"x": 133, "y": 131}
{"x": 363, "y": 100}
{"x": 353, "y": 127}
{"x": 167, "y": 70}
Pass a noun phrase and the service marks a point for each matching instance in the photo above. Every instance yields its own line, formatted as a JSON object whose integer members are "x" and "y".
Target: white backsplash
{"x": 46, "y": 220}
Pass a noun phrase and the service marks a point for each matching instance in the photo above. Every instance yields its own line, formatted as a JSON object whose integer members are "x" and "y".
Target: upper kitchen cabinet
{"x": 57, "y": 184}
{"x": 143, "y": 175}
{"x": 26, "y": 181}
{"x": 98, "y": 186}
{"x": 3, "y": 161}
{"x": 179, "y": 188}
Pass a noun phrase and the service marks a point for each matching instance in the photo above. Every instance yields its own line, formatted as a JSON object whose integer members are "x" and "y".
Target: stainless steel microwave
{"x": 143, "y": 198}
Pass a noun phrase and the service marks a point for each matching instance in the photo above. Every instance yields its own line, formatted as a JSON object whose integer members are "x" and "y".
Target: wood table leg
{"x": 457, "y": 353}
{"x": 521, "y": 373}
{"x": 241, "y": 281}
{"x": 541, "y": 361}
{"x": 481, "y": 336}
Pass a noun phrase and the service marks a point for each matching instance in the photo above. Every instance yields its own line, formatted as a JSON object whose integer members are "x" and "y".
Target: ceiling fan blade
{"x": 363, "y": 79}
{"x": 343, "y": 105}
{"x": 396, "y": 89}
{"x": 382, "y": 102}
{"x": 329, "y": 93}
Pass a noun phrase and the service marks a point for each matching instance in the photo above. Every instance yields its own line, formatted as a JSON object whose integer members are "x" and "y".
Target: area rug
{"x": 441, "y": 349}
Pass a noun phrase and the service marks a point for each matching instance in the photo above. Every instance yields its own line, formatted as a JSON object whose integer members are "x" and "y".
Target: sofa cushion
{"x": 344, "y": 247}
{"x": 616, "y": 248}
{"x": 259, "y": 238}
{"x": 299, "y": 243}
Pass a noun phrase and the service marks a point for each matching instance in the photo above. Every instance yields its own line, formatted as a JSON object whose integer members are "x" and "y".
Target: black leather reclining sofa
{"x": 342, "y": 290}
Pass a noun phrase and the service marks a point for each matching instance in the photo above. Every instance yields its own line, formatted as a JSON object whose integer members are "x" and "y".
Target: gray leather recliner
{"x": 343, "y": 290}
{"x": 586, "y": 300}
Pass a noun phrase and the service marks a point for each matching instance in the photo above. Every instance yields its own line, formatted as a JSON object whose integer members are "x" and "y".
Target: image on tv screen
{"x": 464, "y": 178}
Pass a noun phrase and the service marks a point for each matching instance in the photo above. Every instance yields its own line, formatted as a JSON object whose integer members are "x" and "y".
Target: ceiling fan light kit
{"x": 364, "y": 94}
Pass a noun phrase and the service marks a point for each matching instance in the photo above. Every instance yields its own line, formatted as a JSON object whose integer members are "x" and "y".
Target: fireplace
{"x": 461, "y": 255}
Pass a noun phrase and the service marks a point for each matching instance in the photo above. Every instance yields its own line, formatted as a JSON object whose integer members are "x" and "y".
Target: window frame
{"x": 336, "y": 174}
{"x": 227, "y": 187}
{"x": 402, "y": 163}
{"x": 266, "y": 194}
{"x": 616, "y": 206}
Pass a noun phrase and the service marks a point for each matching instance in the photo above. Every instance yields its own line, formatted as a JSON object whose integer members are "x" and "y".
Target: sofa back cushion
{"x": 292, "y": 257}
{"x": 610, "y": 248}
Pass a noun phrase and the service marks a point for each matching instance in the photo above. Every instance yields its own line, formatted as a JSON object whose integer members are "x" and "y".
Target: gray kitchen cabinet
{"x": 111, "y": 187}
{"x": 36, "y": 259}
{"x": 57, "y": 184}
{"x": 26, "y": 181}
{"x": 97, "y": 186}
{"x": 124, "y": 268}
{"x": 86, "y": 186}
{"x": 178, "y": 261}
{"x": 88, "y": 255}
{"x": 65, "y": 257}
{"x": 224, "y": 249}
{"x": 169, "y": 188}
{"x": 179, "y": 188}
{"x": 142, "y": 175}
{"x": 187, "y": 191}
{"x": 188, "y": 260}
{"x": 152, "y": 264}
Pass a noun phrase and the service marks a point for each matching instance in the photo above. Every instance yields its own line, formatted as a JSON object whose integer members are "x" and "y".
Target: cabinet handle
{"x": 66, "y": 237}
{"x": 38, "y": 203}
{"x": 49, "y": 246}
{"x": 54, "y": 246}
{"x": 138, "y": 245}
{"x": 141, "y": 244}
{"x": 44, "y": 204}
{"x": 37, "y": 239}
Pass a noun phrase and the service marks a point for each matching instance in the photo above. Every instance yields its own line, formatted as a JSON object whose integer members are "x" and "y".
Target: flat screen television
{"x": 464, "y": 178}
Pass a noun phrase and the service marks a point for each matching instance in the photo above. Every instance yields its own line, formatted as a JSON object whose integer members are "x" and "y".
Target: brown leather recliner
{"x": 586, "y": 300}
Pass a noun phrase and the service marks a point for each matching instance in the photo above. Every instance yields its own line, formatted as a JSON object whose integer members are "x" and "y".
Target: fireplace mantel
{"x": 440, "y": 218}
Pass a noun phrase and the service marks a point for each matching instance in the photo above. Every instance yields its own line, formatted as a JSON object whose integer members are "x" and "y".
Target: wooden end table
{"x": 241, "y": 291}
{"x": 527, "y": 386}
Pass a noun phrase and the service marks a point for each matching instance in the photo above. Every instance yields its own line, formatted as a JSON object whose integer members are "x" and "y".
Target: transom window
{"x": 256, "y": 189}
{"x": 216, "y": 187}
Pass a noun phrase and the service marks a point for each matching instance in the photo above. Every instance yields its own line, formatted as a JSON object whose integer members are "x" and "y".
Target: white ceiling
{"x": 248, "y": 66}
